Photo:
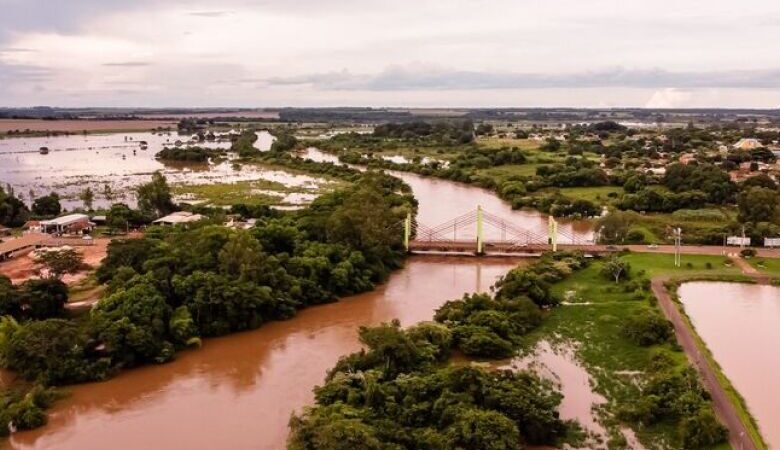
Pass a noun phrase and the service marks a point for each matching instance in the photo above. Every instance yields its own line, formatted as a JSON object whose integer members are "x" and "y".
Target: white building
{"x": 179, "y": 218}
{"x": 72, "y": 223}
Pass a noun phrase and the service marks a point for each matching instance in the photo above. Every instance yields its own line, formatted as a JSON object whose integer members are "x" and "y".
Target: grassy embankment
{"x": 595, "y": 324}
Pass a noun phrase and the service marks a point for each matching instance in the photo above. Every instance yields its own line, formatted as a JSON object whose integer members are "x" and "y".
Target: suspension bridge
{"x": 479, "y": 232}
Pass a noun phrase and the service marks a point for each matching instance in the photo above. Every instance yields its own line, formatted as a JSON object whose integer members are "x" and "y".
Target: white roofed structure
{"x": 179, "y": 218}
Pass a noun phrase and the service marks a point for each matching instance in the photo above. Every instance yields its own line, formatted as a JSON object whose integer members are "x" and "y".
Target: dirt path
{"x": 751, "y": 271}
{"x": 738, "y": 435}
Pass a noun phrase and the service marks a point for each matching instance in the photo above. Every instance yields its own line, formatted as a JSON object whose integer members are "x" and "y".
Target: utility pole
{"x": 677, "y": 243}
{"x": 742, "y": 242}
{"x": 480, "y": 237}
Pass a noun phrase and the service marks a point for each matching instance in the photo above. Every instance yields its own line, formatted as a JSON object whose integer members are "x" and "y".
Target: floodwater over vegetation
{"x": 75, "y": 162}
{"x": 238, "y": 392}
{"x": 740, "y": 323}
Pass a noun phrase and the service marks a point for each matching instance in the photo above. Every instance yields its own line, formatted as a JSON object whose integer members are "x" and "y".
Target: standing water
{"x": 238, "y": 392}
{"x": 740, "y": 323}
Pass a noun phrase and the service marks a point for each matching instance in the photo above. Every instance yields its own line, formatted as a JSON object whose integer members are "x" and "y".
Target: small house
{"x": 70, "y": 224}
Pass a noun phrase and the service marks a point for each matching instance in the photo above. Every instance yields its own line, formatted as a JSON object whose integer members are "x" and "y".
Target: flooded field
{"x": 559, "y": 365}
{"x": 238, "y": 392}
{"x": 740, "y": 323}
{"x": 118, "y": 160}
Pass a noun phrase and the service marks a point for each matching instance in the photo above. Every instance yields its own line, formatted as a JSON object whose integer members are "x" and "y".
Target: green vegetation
{"x": 174, "y": 286}
{"x": 769, "y": 266}
{"x": 493, "y": 328}
{"x": 35, "y": 299}
{"x": 398, "y": 392}
{"x": 576, "y": 170}
{"x": 24, "y": 409}
{"x": 255, "y": 192}
{"x": 154, "y": 197}
{"x": 13, "y": 211}
{"x": 188, "y": 154}
{"x": 626, "y": 346}
{"x": 47, "y": 206}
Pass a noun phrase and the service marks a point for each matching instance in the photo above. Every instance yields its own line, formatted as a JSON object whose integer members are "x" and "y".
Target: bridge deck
{"x": 497, "y": 247}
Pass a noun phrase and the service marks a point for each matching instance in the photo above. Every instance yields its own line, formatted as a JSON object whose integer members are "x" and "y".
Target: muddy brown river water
{"x": 741, "y": 325}
{"x": 238, "y": 392}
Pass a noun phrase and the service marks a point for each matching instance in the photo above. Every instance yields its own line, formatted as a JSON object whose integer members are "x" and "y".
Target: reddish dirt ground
{"x": 22, "y": 267}
{"x": 81, "y": 125}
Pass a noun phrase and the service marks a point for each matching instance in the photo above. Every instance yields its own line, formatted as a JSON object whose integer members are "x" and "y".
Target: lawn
{"x": 593, "y": 317}
{"x": 769, "y": 266}
{"x": 502, "y": 173}
{"x": 598, "y": 195}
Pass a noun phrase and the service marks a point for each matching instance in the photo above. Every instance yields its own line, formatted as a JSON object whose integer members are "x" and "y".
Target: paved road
{"x": 738, "y": 436}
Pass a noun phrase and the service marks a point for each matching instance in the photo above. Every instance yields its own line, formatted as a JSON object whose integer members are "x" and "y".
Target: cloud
{"x": 422, "y": 78}
{"x": 16, "y": 73}
{"x": 127, "y": 64}
{"x": 209, "y": 14}
{"x": 669, "y": 98}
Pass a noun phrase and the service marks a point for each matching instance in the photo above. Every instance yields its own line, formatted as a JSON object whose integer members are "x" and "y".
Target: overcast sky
{"x": 255, "y": 53}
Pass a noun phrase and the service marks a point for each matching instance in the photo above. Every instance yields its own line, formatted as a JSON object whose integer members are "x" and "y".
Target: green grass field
{"x": 598, "y": 195}
{"x": 769, "y": 266}
{"x": 595, "y": 322}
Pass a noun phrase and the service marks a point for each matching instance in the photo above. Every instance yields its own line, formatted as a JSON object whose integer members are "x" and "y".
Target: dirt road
{"x": 727, "y": 413}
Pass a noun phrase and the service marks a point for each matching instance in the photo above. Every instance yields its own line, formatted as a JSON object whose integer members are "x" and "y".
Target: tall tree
{"x": 155, "y": 196}
{"x": 87, "y": 197}
{"x": 47, "y": 206}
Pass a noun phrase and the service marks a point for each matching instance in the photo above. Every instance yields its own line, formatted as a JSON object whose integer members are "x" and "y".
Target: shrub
{"x": 647, "y": 328}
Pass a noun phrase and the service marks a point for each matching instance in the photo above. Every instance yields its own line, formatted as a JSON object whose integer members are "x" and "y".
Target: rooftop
{"x": 66, "y": 220}
{"x": 180, "y": 217}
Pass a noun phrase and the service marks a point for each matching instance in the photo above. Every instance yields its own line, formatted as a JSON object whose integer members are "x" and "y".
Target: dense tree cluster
{"x": 394, "y": 394}
{"x": 154, "y": 197}
{"x": 244, "y": 144}
{"x": 555, "y": 204}
{"x": 535, "y": 281}
{"x": 648, "y": 328}
{"x": 34, "y": 299}
{"x": 187, "y": 154}
{"x": 711, "y": 180}
{"x": 576, "y": 172}
{"x": 174, "y": 286}
{"x": 47, "y": 206}
{"x": 24, "y": 409}
{"x": 13, "y": 211}
{"x": 398, "y": 393}
{"x": 655, "y": 199}
{"x": 674, "y": 396}
{"x": 443, "y": 132}
{"x": 285, "y": 141}
{"x": 483, "y": 158}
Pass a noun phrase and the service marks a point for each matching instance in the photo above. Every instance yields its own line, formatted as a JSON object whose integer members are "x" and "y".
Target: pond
{"x": 740, "y": 323}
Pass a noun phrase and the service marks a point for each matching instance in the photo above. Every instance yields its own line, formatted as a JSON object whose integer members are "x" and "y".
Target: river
{"x": 238, "y": 392}
{"x": 740, "y": 324}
